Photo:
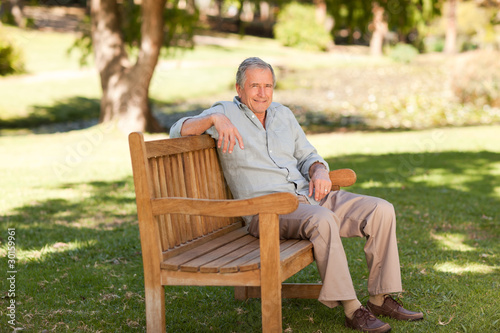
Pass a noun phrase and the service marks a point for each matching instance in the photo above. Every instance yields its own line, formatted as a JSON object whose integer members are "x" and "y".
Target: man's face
{"x": 257, "y": 92}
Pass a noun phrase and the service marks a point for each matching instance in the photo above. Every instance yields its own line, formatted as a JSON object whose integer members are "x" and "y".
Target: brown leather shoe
{"x": 394, "y": 309}
{"x": 364, "y": 321}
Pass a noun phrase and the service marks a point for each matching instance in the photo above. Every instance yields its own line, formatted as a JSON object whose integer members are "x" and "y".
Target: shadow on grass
{"x": 168, "y": 113}
{"x": 72, "y": 113}
{"x": 80, "y": 267}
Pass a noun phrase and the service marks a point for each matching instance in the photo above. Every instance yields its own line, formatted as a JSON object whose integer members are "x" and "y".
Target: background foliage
{"x": 296, "y": 26}
{"x": 476, "y": 79}
{"x": 11, "y": 59}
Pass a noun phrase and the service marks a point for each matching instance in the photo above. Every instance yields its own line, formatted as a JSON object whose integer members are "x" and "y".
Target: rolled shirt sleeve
{"x": 175, "y": 130}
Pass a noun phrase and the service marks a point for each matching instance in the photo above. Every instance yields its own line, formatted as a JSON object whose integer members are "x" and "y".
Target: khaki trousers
{"x": 344, "y": 214}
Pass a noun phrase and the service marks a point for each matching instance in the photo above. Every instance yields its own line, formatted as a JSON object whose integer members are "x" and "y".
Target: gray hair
{"x": 249, "y": 63}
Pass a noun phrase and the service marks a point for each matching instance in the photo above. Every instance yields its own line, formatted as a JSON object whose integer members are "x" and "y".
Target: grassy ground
{"x": 69, "y": 198}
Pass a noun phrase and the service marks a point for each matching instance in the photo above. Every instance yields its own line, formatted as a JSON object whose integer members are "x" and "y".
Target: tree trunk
{"x": 450, "y": 44}
{"x": 379, "y": 28}
{"x": 322, "y": 16}
{"x": 15, "y": 8}
{"x": 125, "y": 86}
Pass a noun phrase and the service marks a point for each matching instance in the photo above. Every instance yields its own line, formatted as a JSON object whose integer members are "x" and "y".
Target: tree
{"x": 372, "y": 19}
{"x": 379, "y": 30}
{"x": 14, "y": 9}
{"x": 125, "y": 85}
{"x": 450, "y": 45}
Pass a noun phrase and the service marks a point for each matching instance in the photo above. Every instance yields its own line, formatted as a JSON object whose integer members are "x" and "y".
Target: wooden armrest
{"x": 342, "y": 177}
{"x": 276, "y": 203}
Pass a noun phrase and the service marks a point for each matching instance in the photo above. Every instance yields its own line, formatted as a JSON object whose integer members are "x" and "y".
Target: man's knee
{"x": 322, "y": 222}
{"x": 385, "y": 207}
{"x": 383, "y": 217}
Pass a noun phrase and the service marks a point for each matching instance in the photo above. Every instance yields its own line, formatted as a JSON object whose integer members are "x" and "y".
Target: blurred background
{"x": 341, "y": 64}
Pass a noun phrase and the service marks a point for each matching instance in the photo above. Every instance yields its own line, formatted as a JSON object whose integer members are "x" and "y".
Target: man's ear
{"x": 238, "y": 89}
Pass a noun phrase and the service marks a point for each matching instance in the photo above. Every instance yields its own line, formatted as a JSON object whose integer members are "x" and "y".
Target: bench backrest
{"x": 185, "y": 167}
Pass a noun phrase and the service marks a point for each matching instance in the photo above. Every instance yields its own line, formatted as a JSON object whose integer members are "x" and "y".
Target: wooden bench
{"x": 192, "y": 232}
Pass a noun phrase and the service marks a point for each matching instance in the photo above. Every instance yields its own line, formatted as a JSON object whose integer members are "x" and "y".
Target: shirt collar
{"x": 240, "y": 105}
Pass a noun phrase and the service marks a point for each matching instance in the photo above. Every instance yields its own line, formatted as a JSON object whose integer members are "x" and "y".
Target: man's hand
{"x": 228, "y": 133}
{"x": 320, "y": 182}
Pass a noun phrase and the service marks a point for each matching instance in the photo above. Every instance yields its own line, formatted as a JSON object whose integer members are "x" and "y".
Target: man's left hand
{"x": 320, "y": 182}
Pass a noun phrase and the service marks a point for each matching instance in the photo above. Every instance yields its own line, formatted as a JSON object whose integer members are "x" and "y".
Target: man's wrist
{"x": 317, "y": 166}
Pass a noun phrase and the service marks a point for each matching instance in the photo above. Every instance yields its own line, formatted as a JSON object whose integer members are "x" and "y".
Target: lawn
{"x": 69, "y": 199}
{"x": 78, "y": 253}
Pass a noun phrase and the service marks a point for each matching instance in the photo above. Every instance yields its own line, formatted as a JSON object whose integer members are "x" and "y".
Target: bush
{"x": 10, "y": 59}
{"x": 476, "y": 78}
{"x": 404, "y": 53}
{"x": 434, "y": 44}
{"x": 297, "y": 26}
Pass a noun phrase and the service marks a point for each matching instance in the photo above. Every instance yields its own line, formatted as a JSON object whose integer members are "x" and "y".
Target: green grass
{"x": 70, "y": 198}
{"x": 70, "y": 195}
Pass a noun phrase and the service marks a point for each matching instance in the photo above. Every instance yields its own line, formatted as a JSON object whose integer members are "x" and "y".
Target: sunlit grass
{"x": 454, "y": 242}
{"x": 451, "y": 267}
{"x": 44, "y": 51}
{"x": 27, "y": 256}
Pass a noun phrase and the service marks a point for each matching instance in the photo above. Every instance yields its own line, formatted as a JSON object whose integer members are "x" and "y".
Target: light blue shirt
{"x": 274, "y": 159}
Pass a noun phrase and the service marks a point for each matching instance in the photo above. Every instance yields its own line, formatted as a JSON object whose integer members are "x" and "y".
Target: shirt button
{"x": 253, "y": 116}
{"x": 270, "y": 151}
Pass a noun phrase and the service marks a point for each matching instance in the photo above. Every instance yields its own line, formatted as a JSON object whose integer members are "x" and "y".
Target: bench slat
{"x": 249, "y": 252}
{"x": 254, "y": 263}
{"x": 298, "y": 248}
{"x": 208, "y": 263}
{"x": 228, "y": 263}
{"x": 179, "y": 145}
{"x": 174, "y": 263}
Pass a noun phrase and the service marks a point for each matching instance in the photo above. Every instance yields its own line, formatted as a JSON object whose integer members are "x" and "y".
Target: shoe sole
{"x": 381, "y": 329}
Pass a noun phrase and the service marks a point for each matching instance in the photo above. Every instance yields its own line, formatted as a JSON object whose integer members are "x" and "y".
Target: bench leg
{"x": 271, "y": 309}
{"x": 241, "y": 293}
{"x": 155, "y": 309}
{"x": 270, "y": 280}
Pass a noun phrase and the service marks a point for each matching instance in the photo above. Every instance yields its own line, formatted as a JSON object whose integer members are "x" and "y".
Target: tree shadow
{"x": 168, "y": 113}
{"x": 65, "y": 115}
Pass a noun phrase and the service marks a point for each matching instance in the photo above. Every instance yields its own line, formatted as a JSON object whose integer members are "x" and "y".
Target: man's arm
{"x": 228, "y": 133}
{"x": 319, "y": 181}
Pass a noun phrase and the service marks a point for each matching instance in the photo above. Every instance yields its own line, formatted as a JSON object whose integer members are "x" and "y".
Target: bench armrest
{"x": 342, "y": 178}
{"x": 276, "y": 203}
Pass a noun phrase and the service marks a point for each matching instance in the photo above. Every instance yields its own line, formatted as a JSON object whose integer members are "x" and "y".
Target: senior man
{"x": 263, "y": 150}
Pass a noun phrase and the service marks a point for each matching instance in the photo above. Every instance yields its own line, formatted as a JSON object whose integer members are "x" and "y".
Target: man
{"x": 263, "y": 150}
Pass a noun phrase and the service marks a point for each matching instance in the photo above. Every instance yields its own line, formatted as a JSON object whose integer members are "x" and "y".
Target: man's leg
{"x": 321, "y": 226}
{"x": 373, "y": 218}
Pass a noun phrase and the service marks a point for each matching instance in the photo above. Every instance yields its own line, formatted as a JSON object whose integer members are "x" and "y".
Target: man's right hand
{"x": 228, "y": 133}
